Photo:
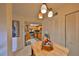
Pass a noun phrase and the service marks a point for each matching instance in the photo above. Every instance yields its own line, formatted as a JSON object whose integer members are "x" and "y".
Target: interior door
{"x": 72, "y": 33}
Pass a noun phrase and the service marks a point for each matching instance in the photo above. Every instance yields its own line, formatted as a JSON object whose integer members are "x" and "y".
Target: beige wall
{"x": 3, "y": 33}
{"x": 5, "y": 29}
{"x": 56, "y": 25}
{"x": 6, "y": 17}
{"x": 9, "y": 28}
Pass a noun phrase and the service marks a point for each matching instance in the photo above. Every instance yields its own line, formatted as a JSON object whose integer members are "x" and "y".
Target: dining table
{"x": 58, "y": 50}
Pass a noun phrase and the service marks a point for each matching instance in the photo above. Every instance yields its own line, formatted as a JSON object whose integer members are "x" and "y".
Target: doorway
{"x": 33, "y": 32}
{"x": 15, "y": 34}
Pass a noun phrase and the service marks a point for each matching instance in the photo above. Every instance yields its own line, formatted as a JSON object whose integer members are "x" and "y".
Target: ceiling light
{"x": 50, "y": 13}
{"x": 43, "y": 8}
{"x": 40, "y": 15}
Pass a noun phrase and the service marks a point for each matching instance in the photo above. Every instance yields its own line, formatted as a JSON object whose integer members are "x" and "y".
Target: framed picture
{"x": 15, "y": 28}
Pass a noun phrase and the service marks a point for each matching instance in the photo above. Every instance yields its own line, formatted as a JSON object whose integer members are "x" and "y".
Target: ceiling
{"x": 29, "y": 11}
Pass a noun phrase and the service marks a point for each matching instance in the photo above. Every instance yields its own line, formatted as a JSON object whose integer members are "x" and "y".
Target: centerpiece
{"x": 46, "y": 43}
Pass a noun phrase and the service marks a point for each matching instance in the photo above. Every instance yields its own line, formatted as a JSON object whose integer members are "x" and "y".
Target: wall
{"x": 5, "y": 29}
{"x": 3, "y": 33}
{"x": 9, "y": 28}
{"x": 6, "y": 17}
{"x": 56, "y": 25}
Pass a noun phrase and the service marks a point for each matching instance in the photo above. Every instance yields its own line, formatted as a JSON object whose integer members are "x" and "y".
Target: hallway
{"x": 26, "y": 31}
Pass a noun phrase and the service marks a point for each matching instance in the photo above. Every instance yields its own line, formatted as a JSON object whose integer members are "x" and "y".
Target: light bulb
{"x": 50, "y": 14}
{"x": 43, "y": 9}
{"x": 40, "y": 15}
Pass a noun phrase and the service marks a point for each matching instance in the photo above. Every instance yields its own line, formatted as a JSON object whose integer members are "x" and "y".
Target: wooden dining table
{"x": 57, "y": 50}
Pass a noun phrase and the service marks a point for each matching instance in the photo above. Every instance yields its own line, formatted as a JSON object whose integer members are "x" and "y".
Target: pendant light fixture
{"x": 43, "y": 8}
{"x": 40, "y": 15}
{"x": 50, "y": 13}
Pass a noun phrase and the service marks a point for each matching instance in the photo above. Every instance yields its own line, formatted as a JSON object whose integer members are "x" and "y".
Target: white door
{"x": 72, "y": 33}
